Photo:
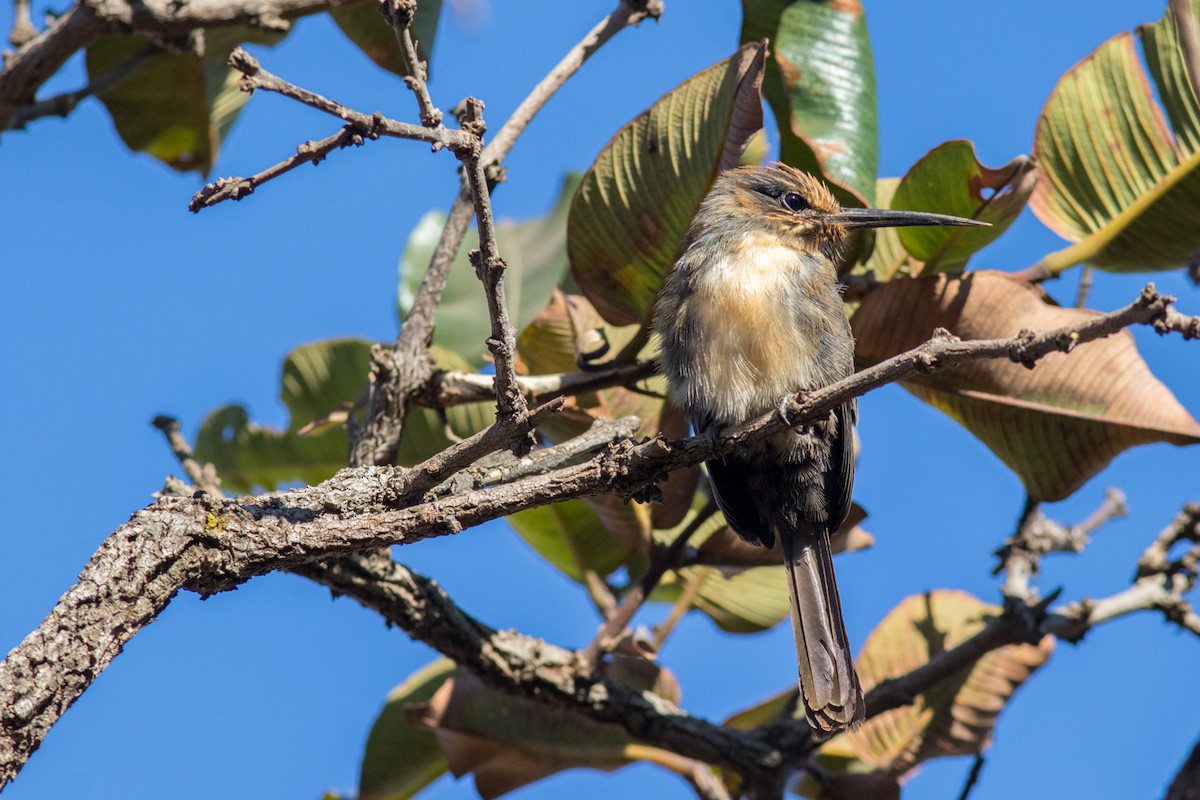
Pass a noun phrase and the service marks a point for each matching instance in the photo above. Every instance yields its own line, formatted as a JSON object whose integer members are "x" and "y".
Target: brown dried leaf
{"x": 1056, "y": 425}
{"x": 955, "y": 716}
{"x": 508, "y": 742}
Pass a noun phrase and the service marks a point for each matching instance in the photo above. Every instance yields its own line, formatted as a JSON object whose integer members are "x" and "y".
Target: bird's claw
{"x": 783, "y": 404}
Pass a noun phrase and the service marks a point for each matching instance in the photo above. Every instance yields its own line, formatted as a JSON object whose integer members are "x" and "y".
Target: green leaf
{"x": 887, "y": 258}
{"x": 319, "y": 379}
{"x": 1120, "y": 179}
{"x": 572, "y": 538}
{"x": 634, "y": 205}
{"x": 535, "y": 252}
{"x": 739, "y": 600}
{"x": 365, "y": 26}
{"x": 950, "y": 180}
{"x": 400, "y": 759}
{"x": 820, "y": 82}
{"x": 1055, "y": 425}
{"x": 425, "y": 429}
{"x": 176, "y": 106}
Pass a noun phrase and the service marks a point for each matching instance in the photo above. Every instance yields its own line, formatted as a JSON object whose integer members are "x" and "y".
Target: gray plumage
{"x": 751, "y": 313}
{"x": 748, "y": 317}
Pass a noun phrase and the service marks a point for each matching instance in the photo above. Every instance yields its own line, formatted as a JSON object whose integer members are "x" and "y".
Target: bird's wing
{"x": 839, "y": 483}
{"x": 731, "y": 489}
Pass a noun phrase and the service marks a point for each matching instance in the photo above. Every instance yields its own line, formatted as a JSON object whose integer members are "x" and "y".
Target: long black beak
{"x": 887, "y": 218}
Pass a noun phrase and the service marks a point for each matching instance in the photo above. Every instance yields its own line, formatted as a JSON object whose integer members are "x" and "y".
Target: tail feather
{"x": 833, "y": 700}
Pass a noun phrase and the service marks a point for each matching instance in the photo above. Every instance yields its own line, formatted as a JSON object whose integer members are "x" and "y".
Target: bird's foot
{"x": 782, "y": 409}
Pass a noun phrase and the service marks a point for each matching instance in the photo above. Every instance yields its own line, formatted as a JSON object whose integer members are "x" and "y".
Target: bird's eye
{"x": 793, "y": 202}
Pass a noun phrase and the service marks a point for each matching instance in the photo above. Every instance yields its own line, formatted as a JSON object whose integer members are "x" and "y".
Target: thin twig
{"x": 1085, "y": 286}
{"x": 359, "y": 127}
{"x": 1174, "y": 322}
{"x": 627, "y": 13}
{"x": 1037, "y": 535}
{"x": 399, "y": 14}
{"x": 22, "y": 30}
{"x": 660, "y": 562}
{"x": 61, "y": 105}
{"x": 308, "y": 153}
{"x": 400, "y": 373}
{"x": 456, "y": 388}
{"x": 435, "y": 469}
{"x": 489, "y": 268}
{"x": 204, "y": 476}
{"x": 508, "y": 467}
{"x": 681, "y": 606}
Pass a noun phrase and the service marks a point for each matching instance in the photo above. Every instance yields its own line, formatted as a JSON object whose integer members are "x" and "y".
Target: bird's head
{"x": 795, "y": 206}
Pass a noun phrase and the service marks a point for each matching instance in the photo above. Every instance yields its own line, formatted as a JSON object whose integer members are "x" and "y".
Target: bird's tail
{"x": 829, "y": 686}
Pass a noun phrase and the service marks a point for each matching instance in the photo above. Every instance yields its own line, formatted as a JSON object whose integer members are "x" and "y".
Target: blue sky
{"x": 119, "y": 304}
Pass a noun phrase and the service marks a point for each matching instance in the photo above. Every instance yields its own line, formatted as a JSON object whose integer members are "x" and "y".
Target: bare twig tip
{"x": 244, "y": 63}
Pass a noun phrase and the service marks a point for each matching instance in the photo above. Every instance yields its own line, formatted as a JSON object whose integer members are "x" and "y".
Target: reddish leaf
{"x": 1056, "y": 425}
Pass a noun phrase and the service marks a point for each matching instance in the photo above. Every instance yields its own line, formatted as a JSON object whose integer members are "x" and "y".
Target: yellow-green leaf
{"x": 950, "y": 180}
{"x": 1056, "y": 425}
{"x": 635, "y": 202}
{"x": 318, "y": 379}
{"x": 175, "y": 106}
{"x": 1121, "y": 179}
{"x": 400, "y": 759}
{"x": 572, "y": 537}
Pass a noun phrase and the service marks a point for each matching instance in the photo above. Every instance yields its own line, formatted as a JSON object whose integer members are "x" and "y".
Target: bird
{"x": 751, "y": 314}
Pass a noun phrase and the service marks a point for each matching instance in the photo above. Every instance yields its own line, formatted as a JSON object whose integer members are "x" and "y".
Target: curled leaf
{"x": 1055, "y": 425}
{"x": 1120, "y": 175}
{"x": 400, "y": 759}
{"x": 950, "y": 180}
{"x": 635, "y": 202}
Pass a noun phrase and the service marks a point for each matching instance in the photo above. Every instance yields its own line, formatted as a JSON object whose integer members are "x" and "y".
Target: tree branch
{"x": 399, "y": 14}
{"x": 398, "y": 374}
{"x": 208, "y": 545}
{"x": 1037, "y": 535}
{"x": 61, "y": 105}
{"x": 457, "y": 388}
{"x": 38, "y": 59}
{"x": 359, "y": 127}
